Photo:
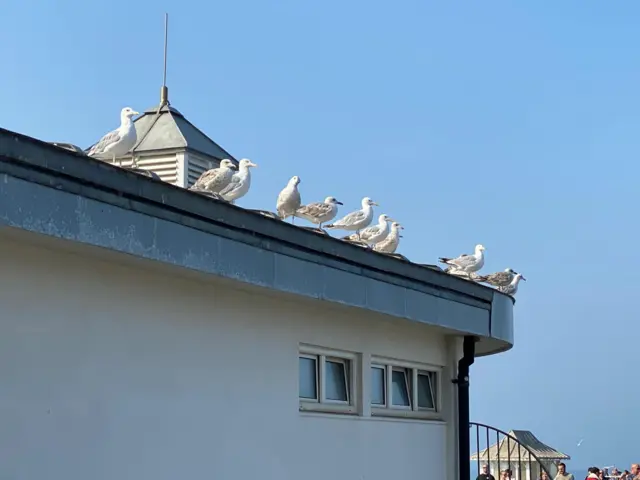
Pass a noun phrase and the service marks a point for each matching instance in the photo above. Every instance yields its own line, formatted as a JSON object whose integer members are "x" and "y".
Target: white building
{"x": 148, "y": 332}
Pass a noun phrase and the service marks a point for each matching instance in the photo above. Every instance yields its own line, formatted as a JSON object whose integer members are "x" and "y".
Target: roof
{"x": 57, "y": 192}
{"x": 508, "y": 448}
{"x": 164, "y": 127}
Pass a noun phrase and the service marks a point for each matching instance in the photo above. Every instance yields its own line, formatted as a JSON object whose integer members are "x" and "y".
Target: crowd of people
{"x": 593, "y": 473}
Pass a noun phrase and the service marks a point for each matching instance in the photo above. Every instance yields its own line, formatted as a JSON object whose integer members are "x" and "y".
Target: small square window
{"x": 426, "y": 393}
{"x": 378, "y": 386}
{"x": 308, "y": 377}
{"x": 400, "y": 394}
{"x": 336, "y": 380}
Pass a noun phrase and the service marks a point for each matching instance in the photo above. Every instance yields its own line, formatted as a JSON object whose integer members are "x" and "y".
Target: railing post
{"x": 464, "y": 435}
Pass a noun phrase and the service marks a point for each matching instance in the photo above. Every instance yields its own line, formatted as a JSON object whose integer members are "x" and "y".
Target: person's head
{"x": 635, "y": 469}
{"x": 544, "y": 476}
{"x": 485, "y": 468}
{"x": 504, "y": 474}
{"x": 562, "y": 468}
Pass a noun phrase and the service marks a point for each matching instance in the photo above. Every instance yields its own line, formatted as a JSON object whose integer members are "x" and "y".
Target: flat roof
{"x": 56, "y": 192}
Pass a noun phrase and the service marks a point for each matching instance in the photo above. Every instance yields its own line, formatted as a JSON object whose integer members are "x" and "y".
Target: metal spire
{"x": 164, "y": 92}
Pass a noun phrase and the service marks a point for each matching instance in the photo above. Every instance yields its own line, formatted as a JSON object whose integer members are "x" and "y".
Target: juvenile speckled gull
{"x": 289, "y": 200}
{"x": 356, "y": 221}
{"x": 390, "y": 244}
{"x": 498, "y": 279}
{"x": 512, "y": 288}
{"x": 119, "y": 141}
{"x": 467, "y": 263}
{"x": 240, "y": 182}
{"x": 319, "y": 212}
{"x": 215, "y": 179}
{"x": 374, "y": 234}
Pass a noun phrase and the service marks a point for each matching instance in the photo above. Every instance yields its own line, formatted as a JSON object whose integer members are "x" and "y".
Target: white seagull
{"x": 462, "y": 274}
{"x": 215, "y": 179}
{"x": 240, "y": 182}
{"x": 289, "y": 200}
{"x": 118, "y": 142}
{"x": 467, "y": 263}
{"x": 498, "y": 279}
{"x": 512, "y": 288}
{"x": 390, "y": 244}
{"x": 319, "y": 212}
{"x": 374, "y": 234}
{"x": 356, "y": 221}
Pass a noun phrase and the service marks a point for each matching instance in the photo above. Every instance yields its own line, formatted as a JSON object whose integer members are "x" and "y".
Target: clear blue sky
{"x": 512, "y": 124}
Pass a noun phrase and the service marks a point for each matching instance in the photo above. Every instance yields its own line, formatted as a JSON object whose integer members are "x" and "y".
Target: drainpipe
{"x": 464, "y": 436}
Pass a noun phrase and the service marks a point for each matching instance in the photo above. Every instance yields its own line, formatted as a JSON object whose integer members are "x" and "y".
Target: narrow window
{"x": 308, "y": 382}
{"x": 336, "y": 380}
{"x": 400, "y": 388}
{"x": 378, "y": 390}
{"x": 426, "y": 394}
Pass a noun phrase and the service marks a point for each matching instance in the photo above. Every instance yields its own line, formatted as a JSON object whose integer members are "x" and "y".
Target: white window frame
{"x": 323, "y": 404}
{"x": 412, "y": 370}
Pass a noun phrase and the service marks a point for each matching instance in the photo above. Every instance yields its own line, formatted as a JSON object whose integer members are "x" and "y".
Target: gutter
{"x": 462, "y": 381}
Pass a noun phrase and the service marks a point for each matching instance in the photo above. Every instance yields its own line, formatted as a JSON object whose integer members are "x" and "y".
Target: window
{"x": 326, "y": 380}
{"x": 403, "y": 390}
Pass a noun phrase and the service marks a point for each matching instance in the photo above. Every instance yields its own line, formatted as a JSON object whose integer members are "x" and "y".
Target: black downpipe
{"x": 464, "y": 435}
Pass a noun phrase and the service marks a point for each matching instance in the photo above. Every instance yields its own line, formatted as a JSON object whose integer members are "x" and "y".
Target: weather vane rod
{"x": 164, "y": 93}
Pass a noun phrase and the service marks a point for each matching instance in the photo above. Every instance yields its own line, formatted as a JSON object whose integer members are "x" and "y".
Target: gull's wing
{"x": 233, "y": 185}
{"x": 369, "y": 232}
{"x": 109, "y": 139}
{"x": 205, "y": 178}
{"x": 350, "y": 219}
{"x": 314, "y": 210}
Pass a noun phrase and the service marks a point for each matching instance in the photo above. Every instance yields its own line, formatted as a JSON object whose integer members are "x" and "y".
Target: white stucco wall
{"x": 111, "y": 371}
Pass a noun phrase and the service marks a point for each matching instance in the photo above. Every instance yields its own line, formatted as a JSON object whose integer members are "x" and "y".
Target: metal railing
{"x": 504, "y": 452}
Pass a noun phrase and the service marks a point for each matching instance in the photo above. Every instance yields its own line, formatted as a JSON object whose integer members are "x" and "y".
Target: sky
{"x": 511, "y": 124}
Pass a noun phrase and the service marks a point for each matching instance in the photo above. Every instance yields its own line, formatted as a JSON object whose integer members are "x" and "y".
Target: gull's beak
{"x": 390, "y": 219}
{"x": 400, "y": 236}
{"x": 522, "y": 278}
{"x": 135, "y": 113}
{"x": 401, "y": 227}
{"x": 253, "y": 165}
{"x": 339, "y": 203}
{"x": 374, "y": 203}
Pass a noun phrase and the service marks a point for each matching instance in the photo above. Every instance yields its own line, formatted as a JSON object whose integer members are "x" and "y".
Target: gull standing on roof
{"x": 375, "y": 234}
{"x": 390, "y": 244}
{"x": 319, "y": 212}
{"x": 356, "y": 221}
{"x": 498, "y": 279}
{"x": 462, "y": 274}
{"x": 467, "y": 263}
{"x": 289, "y": 199}
{"x": 215, "y": 179}
{"x": 118, "y": 142}
{"x": 240, "y": 182}
{"x": 512, "y": 288}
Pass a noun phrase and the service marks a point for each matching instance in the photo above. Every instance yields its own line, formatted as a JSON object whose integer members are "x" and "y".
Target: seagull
{"x": 118, "y": 142}
{"x": 289, "y": 200}
{"x": 319, "y": 212}
{"x": 467, "y": 263}
{"x": 355, "y": 221}
{"x": 512, "y": 288}
{"x": 375, "y": 234}
{"x": 456, "y": 272}
{"x": 215, "y": 179}
{"x": 240, "y": 182}
{"x": 498, "y": 279}
{"x": 390, "y": 244}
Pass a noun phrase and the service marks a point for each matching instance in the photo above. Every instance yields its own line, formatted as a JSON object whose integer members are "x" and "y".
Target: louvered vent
{"x": 166, "y": 166}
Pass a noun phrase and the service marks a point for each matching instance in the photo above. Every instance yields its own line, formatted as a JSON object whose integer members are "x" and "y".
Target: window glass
{"x": 377, "y": 386}
{"x": 426, "y": 397}
{"x": 400, "y": 389}
{"x": 308, "y": 385}
{"x": 336, "y": 381}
